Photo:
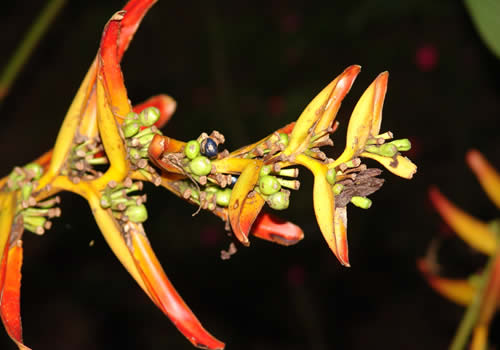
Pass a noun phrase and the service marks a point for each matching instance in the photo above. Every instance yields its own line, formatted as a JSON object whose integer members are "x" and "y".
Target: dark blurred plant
{"x": 481, "y": 291}
{"x": 106, "y": 148}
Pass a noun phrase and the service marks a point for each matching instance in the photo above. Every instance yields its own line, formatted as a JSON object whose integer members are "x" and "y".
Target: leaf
{"x": 485, "y": 16}
{"x": 488, "y": 177}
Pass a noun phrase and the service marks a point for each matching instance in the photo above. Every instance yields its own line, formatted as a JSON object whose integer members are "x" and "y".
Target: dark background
{"x": 245, "y": 70}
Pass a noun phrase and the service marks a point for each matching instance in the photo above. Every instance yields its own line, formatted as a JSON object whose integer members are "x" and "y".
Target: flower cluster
{"x": 106, "y": 149}
{"x": 480, "y": 292}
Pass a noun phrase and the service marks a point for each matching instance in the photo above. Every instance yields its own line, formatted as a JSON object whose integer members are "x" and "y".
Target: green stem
{"x": 24, "y": 50}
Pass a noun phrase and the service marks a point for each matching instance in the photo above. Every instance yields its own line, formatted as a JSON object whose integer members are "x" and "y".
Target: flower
{"x": 481, "y": 292}
{"x": 106, "y": 148}
{"x": 261, "y": 168}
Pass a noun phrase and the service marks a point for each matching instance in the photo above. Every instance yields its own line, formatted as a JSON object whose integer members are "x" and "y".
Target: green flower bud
{"x": 331, "y": 176}
{"x": 130, "y": 129}
{"x": 134, "y": 154}
{"x": 34, "y": 168}
{"x": 279, "y": 200}
{"x": 192, "y": 149}
{"x": 290, "y": 172}
{"x": 137, "y": 213}
{"x": 222, "y": 197}
{"x": 269, "y": 185}
{"x": 337, "y": 189}
{"x": 386, "y": 149}
{"x": 146, "y": 139}
{"x": 149, "y": 116}
{"x": 283, "y": 139}
{"x": 34, "y": 221}
{"x": 361, "y": 202}
{"x": 200, "y": 166}
{"x": 402, "y": 144}
{"x": 265, "y": 170}
{"x": 26, "y": 191}
{"x": 105, "y": 202}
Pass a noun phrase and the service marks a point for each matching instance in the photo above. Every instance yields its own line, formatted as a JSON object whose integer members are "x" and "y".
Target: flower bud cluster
{"x": 124, "y": 206}
{"x": 139, "y": 130}
{"x": 34, "y": 215}
{"x": 83, "y": 157}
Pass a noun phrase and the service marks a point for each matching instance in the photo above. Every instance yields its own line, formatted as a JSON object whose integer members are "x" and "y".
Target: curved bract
{"x": 106, "y": 148}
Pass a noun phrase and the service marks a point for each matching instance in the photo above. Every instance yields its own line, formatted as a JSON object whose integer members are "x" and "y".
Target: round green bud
{"x": 331, "y": 176}
{"x": 337, "y": 189}
{"x": 34, "y": 168}
{"x": 283, "y": 138}
{"x": 149, "y": 116}
{"x": 137, "y": 213}
{"x": 130, "y": 129}
{"x": 279, "y": 201}
{"x": 105, "y": 202}
{"x": 269, "y": 184}
{"x": 361, "y": 202}
{"x": 222, "y": 197}
{"x": 402, "y": 144}
{"x": 192, "y": 149}
{"x": 265, "y": 170}
{"x": 200, "y": 166}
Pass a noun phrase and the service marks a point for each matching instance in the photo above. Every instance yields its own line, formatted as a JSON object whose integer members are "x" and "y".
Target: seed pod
{"x": 222, "y": 197}
{"x": 331, "y": 176}
{"x": 209, "y": 147}
{"x": 269, "y": 185}
{"x": 149, "y": 116}
{"x": 192, "y": 149}
{"x": 137, "y": 213}
{"x": 200, "y": 166}
{"x": 130, "y": 129}
{"x": 35, "y": 169}
{"x": 361, "y": 202}
{"x": 279, "y": 200}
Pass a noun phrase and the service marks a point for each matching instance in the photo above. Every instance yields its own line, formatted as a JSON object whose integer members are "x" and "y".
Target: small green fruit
{"x": 279, "y": 201}
{"x": 361, "y": 202}
{"x": 137, "y": 213}
{"x": 269, "y": 185}
{"x": 337, "y": 189}
{"x": 331, "y": 176}
{"x": 222, "y": 197}
{"x": 265, "y": 170}
{"x": 130, "y": 129}
{"x": 192, "y": 149}
{"x": 149, "y": 116}
{"x": 200, "y": 166}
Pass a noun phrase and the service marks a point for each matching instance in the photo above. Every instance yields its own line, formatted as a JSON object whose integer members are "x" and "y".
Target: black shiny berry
{"x": 233, "y": 180}
{"x": 209, "y": 148}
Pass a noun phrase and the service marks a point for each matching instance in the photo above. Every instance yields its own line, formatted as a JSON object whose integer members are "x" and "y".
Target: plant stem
{"x": 24, "y": 50}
